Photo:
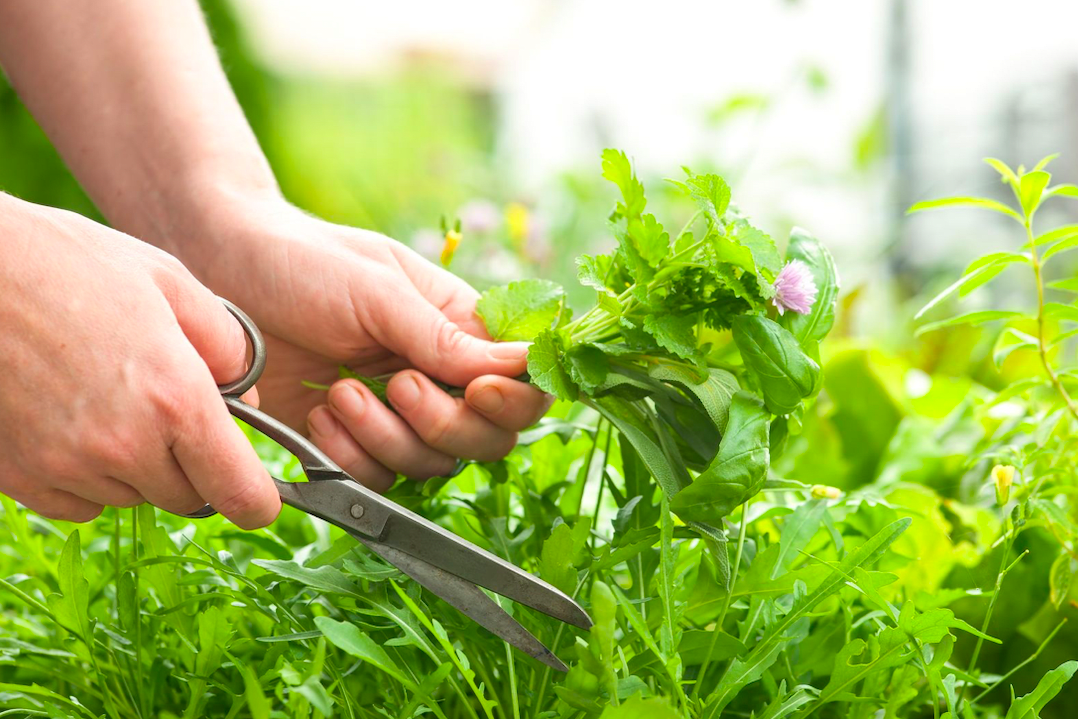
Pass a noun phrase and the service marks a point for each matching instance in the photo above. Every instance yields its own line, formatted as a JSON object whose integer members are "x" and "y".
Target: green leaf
{"x": 545, "y": 368}
{"x": 1006, "y": 173}
{"x": 593, "y": 271}
{"x": 966, "y": 202}
{"x": 617, "y": 169}
{"x": 639, "y": 708}
{"x": 556, "y": 559}
{"x": 1062, "y": 311}
{"x": 738, "y": 471}
{"x": 673, "y": 333}
{"x": 1060, "y": 578}
{"x": 711, "y": 193}
{"x": 521, "y": 310}
{"x": 257, "y": 703}
{"x": 782, "y": 370}
{"x": 1062, "y": 191}
{"x": 751, "y": 249}
{"x": 1030, "y": 189}
{"x": 1068, "y": 285}
{"x": 1030, "y": 706}
{"x": 628, "y": 420}
{"x": 72, "y": 603}
{"x": 797, "y": 529}
{"x": 970, "y": 318}
{"x": 979, "y": 271}
{"x": 714, "y": 392}
{"x": 649, "y": 239}
{"x": 814, "y": 326}
{"x": 325, "y": 579}
{"x": 1068, "y": 242}
{"x": 377, "y": 387}
{"x": 1044, "y": 161}
{"x": 348, "y": 638}
{"x": 587, "y": 366}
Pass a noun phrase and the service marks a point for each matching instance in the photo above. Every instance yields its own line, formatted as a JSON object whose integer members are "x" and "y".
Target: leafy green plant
{"x": 743, "y": 587}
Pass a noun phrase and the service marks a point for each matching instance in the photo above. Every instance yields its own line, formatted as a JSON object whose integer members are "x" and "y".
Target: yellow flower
{"x": 519, "y": 222}
{"x": 452, "y": 240}
{"x": 1003, "y": 476}
{"x": 822, "y": 491}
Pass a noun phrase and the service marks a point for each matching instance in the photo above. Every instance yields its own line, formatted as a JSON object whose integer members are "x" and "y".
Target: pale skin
{"x": 111, "y": 349}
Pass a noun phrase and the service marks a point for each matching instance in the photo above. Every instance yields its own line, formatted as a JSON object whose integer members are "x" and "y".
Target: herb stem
{"x": 1042, "y": 348}
{"x": 726, "y": 602}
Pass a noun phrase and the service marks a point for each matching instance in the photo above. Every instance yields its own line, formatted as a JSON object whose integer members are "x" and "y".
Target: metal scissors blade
{"x": 438, "y": 559}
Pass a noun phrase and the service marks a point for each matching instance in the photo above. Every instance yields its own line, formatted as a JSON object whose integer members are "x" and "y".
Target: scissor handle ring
{"x": 258, "y": 353}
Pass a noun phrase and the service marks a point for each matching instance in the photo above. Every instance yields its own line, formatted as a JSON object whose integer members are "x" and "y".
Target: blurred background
{"x": 832, "y": 116}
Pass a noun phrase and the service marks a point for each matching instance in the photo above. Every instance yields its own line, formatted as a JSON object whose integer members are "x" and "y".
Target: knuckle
{"x": 440, "y": 430}
{"x": 170, "y": 401}
{"x": 449, "y": 340}
{"x": 497, "y": 449}
{"x": 247, "y": 506}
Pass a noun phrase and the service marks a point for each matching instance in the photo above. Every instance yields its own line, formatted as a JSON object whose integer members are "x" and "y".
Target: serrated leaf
{"x": 673, "y": 333}
{"x": 325, "y": 579}
{"x": 545, "y": 367}
{"x": 521, "y": 310}
{"x": 711, "y": 194}
{"x": 587, "y": 366}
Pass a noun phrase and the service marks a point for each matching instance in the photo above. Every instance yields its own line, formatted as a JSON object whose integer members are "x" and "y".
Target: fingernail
{"x": 321, "y": 421}
{"x": 348, "y": 401}
{"x": 406, "y": 393}
{"x": 509, "y": 350}
{"x": 489, "y": 400}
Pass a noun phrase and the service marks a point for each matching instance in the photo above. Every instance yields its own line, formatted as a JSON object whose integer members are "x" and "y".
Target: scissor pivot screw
{"x": 357, "y": 511}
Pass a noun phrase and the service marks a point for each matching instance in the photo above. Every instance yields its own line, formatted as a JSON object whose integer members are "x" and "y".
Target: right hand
{"x": 110, "y": 356}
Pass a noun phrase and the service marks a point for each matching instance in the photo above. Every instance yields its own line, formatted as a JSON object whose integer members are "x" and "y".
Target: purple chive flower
{"x": 480, "y": 216}
{"x": 795, "y": 289}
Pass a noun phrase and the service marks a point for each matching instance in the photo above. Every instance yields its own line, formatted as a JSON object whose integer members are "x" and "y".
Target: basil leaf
{"x": 782, "y": 370}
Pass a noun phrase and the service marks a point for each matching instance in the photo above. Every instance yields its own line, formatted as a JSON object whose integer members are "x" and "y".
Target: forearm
{"x": 133, "y": 96}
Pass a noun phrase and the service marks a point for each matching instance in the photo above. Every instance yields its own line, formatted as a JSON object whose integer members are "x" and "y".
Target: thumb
{"x": 210, "y": 328}
{"x": 443, "y": 350}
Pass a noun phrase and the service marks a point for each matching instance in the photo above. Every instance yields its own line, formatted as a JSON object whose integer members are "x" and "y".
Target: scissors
{"x": 439, "y": 560}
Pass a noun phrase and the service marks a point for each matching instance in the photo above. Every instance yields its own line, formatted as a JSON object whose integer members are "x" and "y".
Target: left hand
{"x": 327, "y": 295}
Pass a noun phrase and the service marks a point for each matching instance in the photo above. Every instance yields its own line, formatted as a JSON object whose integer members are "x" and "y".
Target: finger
{"x": 333, "y": 439}
{"x": 61, "y": 505}
{"x": 414, "y": 328}
{"x": 509, "y": 404}
{"x": 216, "y": 457}
{"x": 210, "y": 328}
{"x": 446, "y": 423}
{"x": 163, "y": 484}
{"x": 107, "y": 491}
{"x": 384, "y": 435}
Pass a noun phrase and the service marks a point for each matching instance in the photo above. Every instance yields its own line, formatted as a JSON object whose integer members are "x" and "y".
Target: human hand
{"x": 327, "y": 295}
{"x": 110, "y": 355}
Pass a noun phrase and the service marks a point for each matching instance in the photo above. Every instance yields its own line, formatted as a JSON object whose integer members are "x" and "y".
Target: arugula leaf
{"x": 738, "y": 471}
{"x": 782, "y": 370}
{"x": 521, "y": 310}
